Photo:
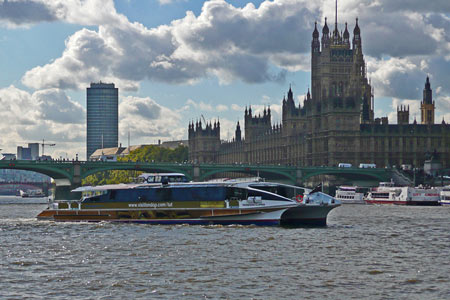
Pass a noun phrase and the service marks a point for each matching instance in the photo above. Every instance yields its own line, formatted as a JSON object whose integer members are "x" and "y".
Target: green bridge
{"x": 68, "y": 174}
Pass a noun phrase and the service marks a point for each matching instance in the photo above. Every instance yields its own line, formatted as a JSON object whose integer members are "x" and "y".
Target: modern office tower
{"x": 102, "y": 117}
{"x": 34, "y": 150}
{"x": 23, "y": 153}
{"x": 30, "y": 153}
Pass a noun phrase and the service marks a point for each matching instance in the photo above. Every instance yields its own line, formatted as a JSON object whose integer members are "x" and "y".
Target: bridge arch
{"x": 42, "y": 168}
{"x": 139, "y": 167}
{"x": 379, "y": 175}
{"x": 248, "y": 170}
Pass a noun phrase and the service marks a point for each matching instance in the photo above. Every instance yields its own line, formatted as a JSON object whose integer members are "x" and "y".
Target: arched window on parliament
{"x": 341, "y": 89}
{"x": 333, "y": 89}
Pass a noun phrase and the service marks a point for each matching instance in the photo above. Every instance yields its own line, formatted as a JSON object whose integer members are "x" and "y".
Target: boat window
{"x": 284, "y": 191}
{"x": 92, "y": 199}
{"x": 264, "y": 195}
{"x": 236, "y": 193}
{"x": 177, "y": 178}
{"x": 380, "y": 195}
{"x": 173, "y": 193}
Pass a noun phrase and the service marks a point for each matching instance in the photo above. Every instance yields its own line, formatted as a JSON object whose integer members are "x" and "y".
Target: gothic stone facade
{"x": 335, "y": 123}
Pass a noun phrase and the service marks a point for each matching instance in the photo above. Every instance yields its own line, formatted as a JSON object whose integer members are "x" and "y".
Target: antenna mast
{"x": 128, "y": 137}
{"x": 335, "y": 22}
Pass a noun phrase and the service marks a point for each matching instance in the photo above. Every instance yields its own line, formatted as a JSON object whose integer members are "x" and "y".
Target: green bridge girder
{"x": 74, "y": 171}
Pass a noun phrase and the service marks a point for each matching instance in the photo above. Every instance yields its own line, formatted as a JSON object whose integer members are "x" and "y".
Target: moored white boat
{"x": 445, "y": 196}
{"x": 387, "y": 193}
{"x": 23, "y": 194}
{"x": 350, "y": 195}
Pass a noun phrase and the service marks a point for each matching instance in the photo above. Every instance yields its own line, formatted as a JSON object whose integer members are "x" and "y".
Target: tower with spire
{"x": 427, "y": 105}
{"x": 335, "y": 122}
{"x": 338, "y": 73}
{"x": 237, "y": 133}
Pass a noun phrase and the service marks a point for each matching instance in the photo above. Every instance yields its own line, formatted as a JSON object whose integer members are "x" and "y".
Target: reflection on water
{"x": 366, "y": 252}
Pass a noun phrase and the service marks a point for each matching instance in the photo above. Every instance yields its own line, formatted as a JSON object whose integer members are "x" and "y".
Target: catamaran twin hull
{"x": 297, "y": 215}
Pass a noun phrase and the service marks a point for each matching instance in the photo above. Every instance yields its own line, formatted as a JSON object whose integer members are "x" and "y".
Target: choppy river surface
{"x": 366, "y": 252}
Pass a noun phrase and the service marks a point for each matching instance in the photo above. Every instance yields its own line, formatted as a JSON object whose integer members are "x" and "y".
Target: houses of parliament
{"x": 335, "y": 124}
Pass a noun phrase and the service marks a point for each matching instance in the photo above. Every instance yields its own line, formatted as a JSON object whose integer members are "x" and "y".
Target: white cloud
{"x": 227, "y": 129}
{"x": 396, "y": 77}
{"x": 228, "y": 42}
{"x": 221, "y": 108}
{"x": 46, "y": 114}
{"x": 148, "y": 121}
{"x": 246, "y": 44}
{"x": 236, "y": 107}
{"x": 442, "y": 109}
{"x": 412, "y": 105}
{"x": 15, "y": 13}
{"x": 166, "y": 2}
{"x": 207, "y": 107}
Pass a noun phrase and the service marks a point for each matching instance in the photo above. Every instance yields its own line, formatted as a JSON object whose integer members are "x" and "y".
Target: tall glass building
{"x": 102, "y": 117}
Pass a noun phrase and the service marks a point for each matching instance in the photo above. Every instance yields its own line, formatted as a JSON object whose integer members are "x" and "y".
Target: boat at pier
{"x": 31, "y": 193}
{"x": 445, "y": 196}
{"x": 178, "y": 202}
{"x": 387, "y": 193}
{"x": 350, "y": 194}
{"x": 23, "y": 194}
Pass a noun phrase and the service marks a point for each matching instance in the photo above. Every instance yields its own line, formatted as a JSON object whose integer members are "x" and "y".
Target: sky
{"x": 176, "y": 61}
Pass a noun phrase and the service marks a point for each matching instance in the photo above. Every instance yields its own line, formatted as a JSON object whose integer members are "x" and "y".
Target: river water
{"x": 365, "y": 252}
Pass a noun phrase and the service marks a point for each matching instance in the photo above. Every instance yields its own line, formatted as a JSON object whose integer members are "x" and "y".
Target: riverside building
{"x": 335, "y": 123}
{"x": 102, "y": 117}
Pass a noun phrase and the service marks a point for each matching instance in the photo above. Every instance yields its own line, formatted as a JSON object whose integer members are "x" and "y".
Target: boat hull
{"x": 423, "y": 203}
{"x": 386, "y": 202}
{"x": 346, "y": 201}
{"x": 308, "y": 215}
{"x": 197, "y": 217}
{"x": 395, "y": 202}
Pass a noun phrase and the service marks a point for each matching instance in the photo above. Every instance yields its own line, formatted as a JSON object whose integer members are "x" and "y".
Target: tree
{"x": 151, "y": 153}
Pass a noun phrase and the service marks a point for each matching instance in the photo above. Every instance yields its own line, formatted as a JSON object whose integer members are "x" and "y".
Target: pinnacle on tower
{"x": 315, "y": 32}
{"x": 346, "y": 34}
{"x": 356, "y": 31}
{"x": 325, "y": 30}
{"x": 290, "y": 94}
{"x": 336, "y": 31}
{"x": 427, "y": 92}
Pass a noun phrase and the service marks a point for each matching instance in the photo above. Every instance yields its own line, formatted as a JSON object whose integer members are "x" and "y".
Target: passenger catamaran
{"x": 169, "y": 199}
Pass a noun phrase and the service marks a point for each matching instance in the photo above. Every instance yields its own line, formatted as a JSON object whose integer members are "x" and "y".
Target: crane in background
{"x": 44, "y": 144}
